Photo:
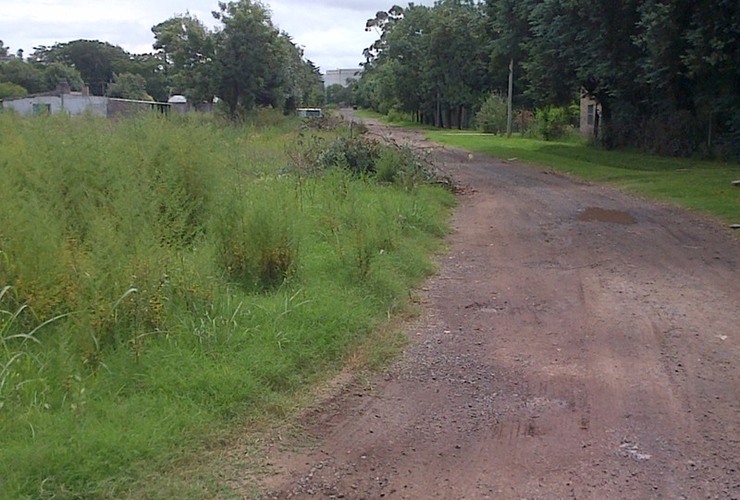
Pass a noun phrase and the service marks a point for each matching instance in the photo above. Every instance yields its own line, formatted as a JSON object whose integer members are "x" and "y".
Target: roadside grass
{"x": 165, "y": 282}
{"x": 704, "y": 186}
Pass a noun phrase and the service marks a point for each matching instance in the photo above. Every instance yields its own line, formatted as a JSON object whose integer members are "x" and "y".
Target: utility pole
{"x": 509, "y": 107}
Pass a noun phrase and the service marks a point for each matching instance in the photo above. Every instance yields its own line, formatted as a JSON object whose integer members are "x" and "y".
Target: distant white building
{"x": 341, "y": 76}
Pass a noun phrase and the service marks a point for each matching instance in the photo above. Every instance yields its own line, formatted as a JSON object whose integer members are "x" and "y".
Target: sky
{"x": 332, "y": 32}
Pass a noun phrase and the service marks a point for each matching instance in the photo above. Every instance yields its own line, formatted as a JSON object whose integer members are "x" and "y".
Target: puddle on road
{"x": 596, "y": 214}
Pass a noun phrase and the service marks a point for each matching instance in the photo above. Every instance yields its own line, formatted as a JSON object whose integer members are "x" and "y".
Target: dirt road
{"x": 577, "y": 343}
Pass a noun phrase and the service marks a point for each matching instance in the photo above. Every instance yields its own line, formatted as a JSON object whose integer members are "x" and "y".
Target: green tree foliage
{"x": 301, "y": 83}
{"x": 665, "y": 73}
{"x": 579, "y": 45}
{"x": 428, "y": 62}
{"x": 507, "y": 32}
{"x": 96, "y": 61}
{"x": 150, "y": 67}
{"x": 186, "y": 48}
{"x": 246, "y": 61}
{"x": 491, "y": 118}
{"x": 37, "y": 77}
{"x": 247, "y": 54}
{"x": 339, "y": 94}
{"x": 23, "y": 74}
{"x": 312, "y": 85}
{"x": 56, "y": 73}
{"x": 458, "y": 62}
{"x": 8, "y": 89}
{"x": 552, "y": 122}
{"x": 129, "y": 86}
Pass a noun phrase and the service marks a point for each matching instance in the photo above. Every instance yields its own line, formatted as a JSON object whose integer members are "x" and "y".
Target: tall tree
{"x": 382, "y": 24}
{"x": 428, "y": 61}
{"x": 508, "y": 29}
{"x": 246, "y": 61}
{"x": 408, "y": 59}
{"x": 459, "y": 60}
{"x": 247, "y": 51}
{"x": 187, "y": 51}
{"x": 299, "y": 82}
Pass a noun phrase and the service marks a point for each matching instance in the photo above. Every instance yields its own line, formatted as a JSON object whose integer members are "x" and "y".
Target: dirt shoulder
{"x": 577, "y": 342}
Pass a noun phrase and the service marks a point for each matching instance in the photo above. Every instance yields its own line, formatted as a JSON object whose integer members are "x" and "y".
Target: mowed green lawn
{"x": 705, "y": 186}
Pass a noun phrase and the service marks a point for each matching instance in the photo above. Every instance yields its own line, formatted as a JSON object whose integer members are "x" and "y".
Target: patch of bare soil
{"x": 577, "y": 343}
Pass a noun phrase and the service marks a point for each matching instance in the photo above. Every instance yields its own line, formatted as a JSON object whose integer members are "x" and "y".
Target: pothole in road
{"x": 596, "y": 214}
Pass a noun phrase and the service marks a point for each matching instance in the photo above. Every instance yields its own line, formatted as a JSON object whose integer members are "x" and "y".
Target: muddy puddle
{"x": 596, "y": 214}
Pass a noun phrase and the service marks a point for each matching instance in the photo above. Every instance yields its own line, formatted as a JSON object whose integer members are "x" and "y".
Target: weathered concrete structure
{"x": 590, "y": 117}
{"x": 63, "y": 101}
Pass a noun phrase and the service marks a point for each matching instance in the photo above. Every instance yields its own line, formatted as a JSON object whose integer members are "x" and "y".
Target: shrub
{"x": 362, "y": 156}
{"x": 554, "y": 122}
{"x": 8, "y": 89}
{"x": 404, "y": 166}
{"x": 356, "y": 154}
{"x": 491, "y": 118}
{"x": 396, "y": 116}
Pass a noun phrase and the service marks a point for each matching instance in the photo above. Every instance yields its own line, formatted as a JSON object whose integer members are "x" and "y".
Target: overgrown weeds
{"x": 165, "y": 279}
{"x": 363, "y": 157}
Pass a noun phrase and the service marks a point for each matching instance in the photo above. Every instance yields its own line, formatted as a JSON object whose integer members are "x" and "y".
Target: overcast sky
{"x": 332, "y": 32}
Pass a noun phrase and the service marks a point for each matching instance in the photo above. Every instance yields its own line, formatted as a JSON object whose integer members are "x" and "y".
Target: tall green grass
{"x": 162, "y": 280}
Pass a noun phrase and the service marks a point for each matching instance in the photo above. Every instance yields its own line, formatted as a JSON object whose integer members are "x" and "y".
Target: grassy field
{"x": 704, "y": 186}
{"x": 164, "y": 282}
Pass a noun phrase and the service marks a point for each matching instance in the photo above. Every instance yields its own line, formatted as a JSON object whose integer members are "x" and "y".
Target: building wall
{"x": 590, "y": 110}
{"x": 26, "y": 106}
{"x": 80, "y": 104}
{"x": 67, "y": 103}
{"x": 125, "y": 107}
{"x": 340, "y": 76}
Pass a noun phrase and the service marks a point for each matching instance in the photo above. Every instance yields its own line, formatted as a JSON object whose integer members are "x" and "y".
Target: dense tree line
{"x": 246, "y": 62}
{"x": 665, "y": 73}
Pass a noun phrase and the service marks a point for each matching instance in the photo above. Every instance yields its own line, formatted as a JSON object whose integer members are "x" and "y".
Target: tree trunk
{"x": 605, "y": 133}
{"x": 438, "y": 117}
{"x": 597, "y": 121}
